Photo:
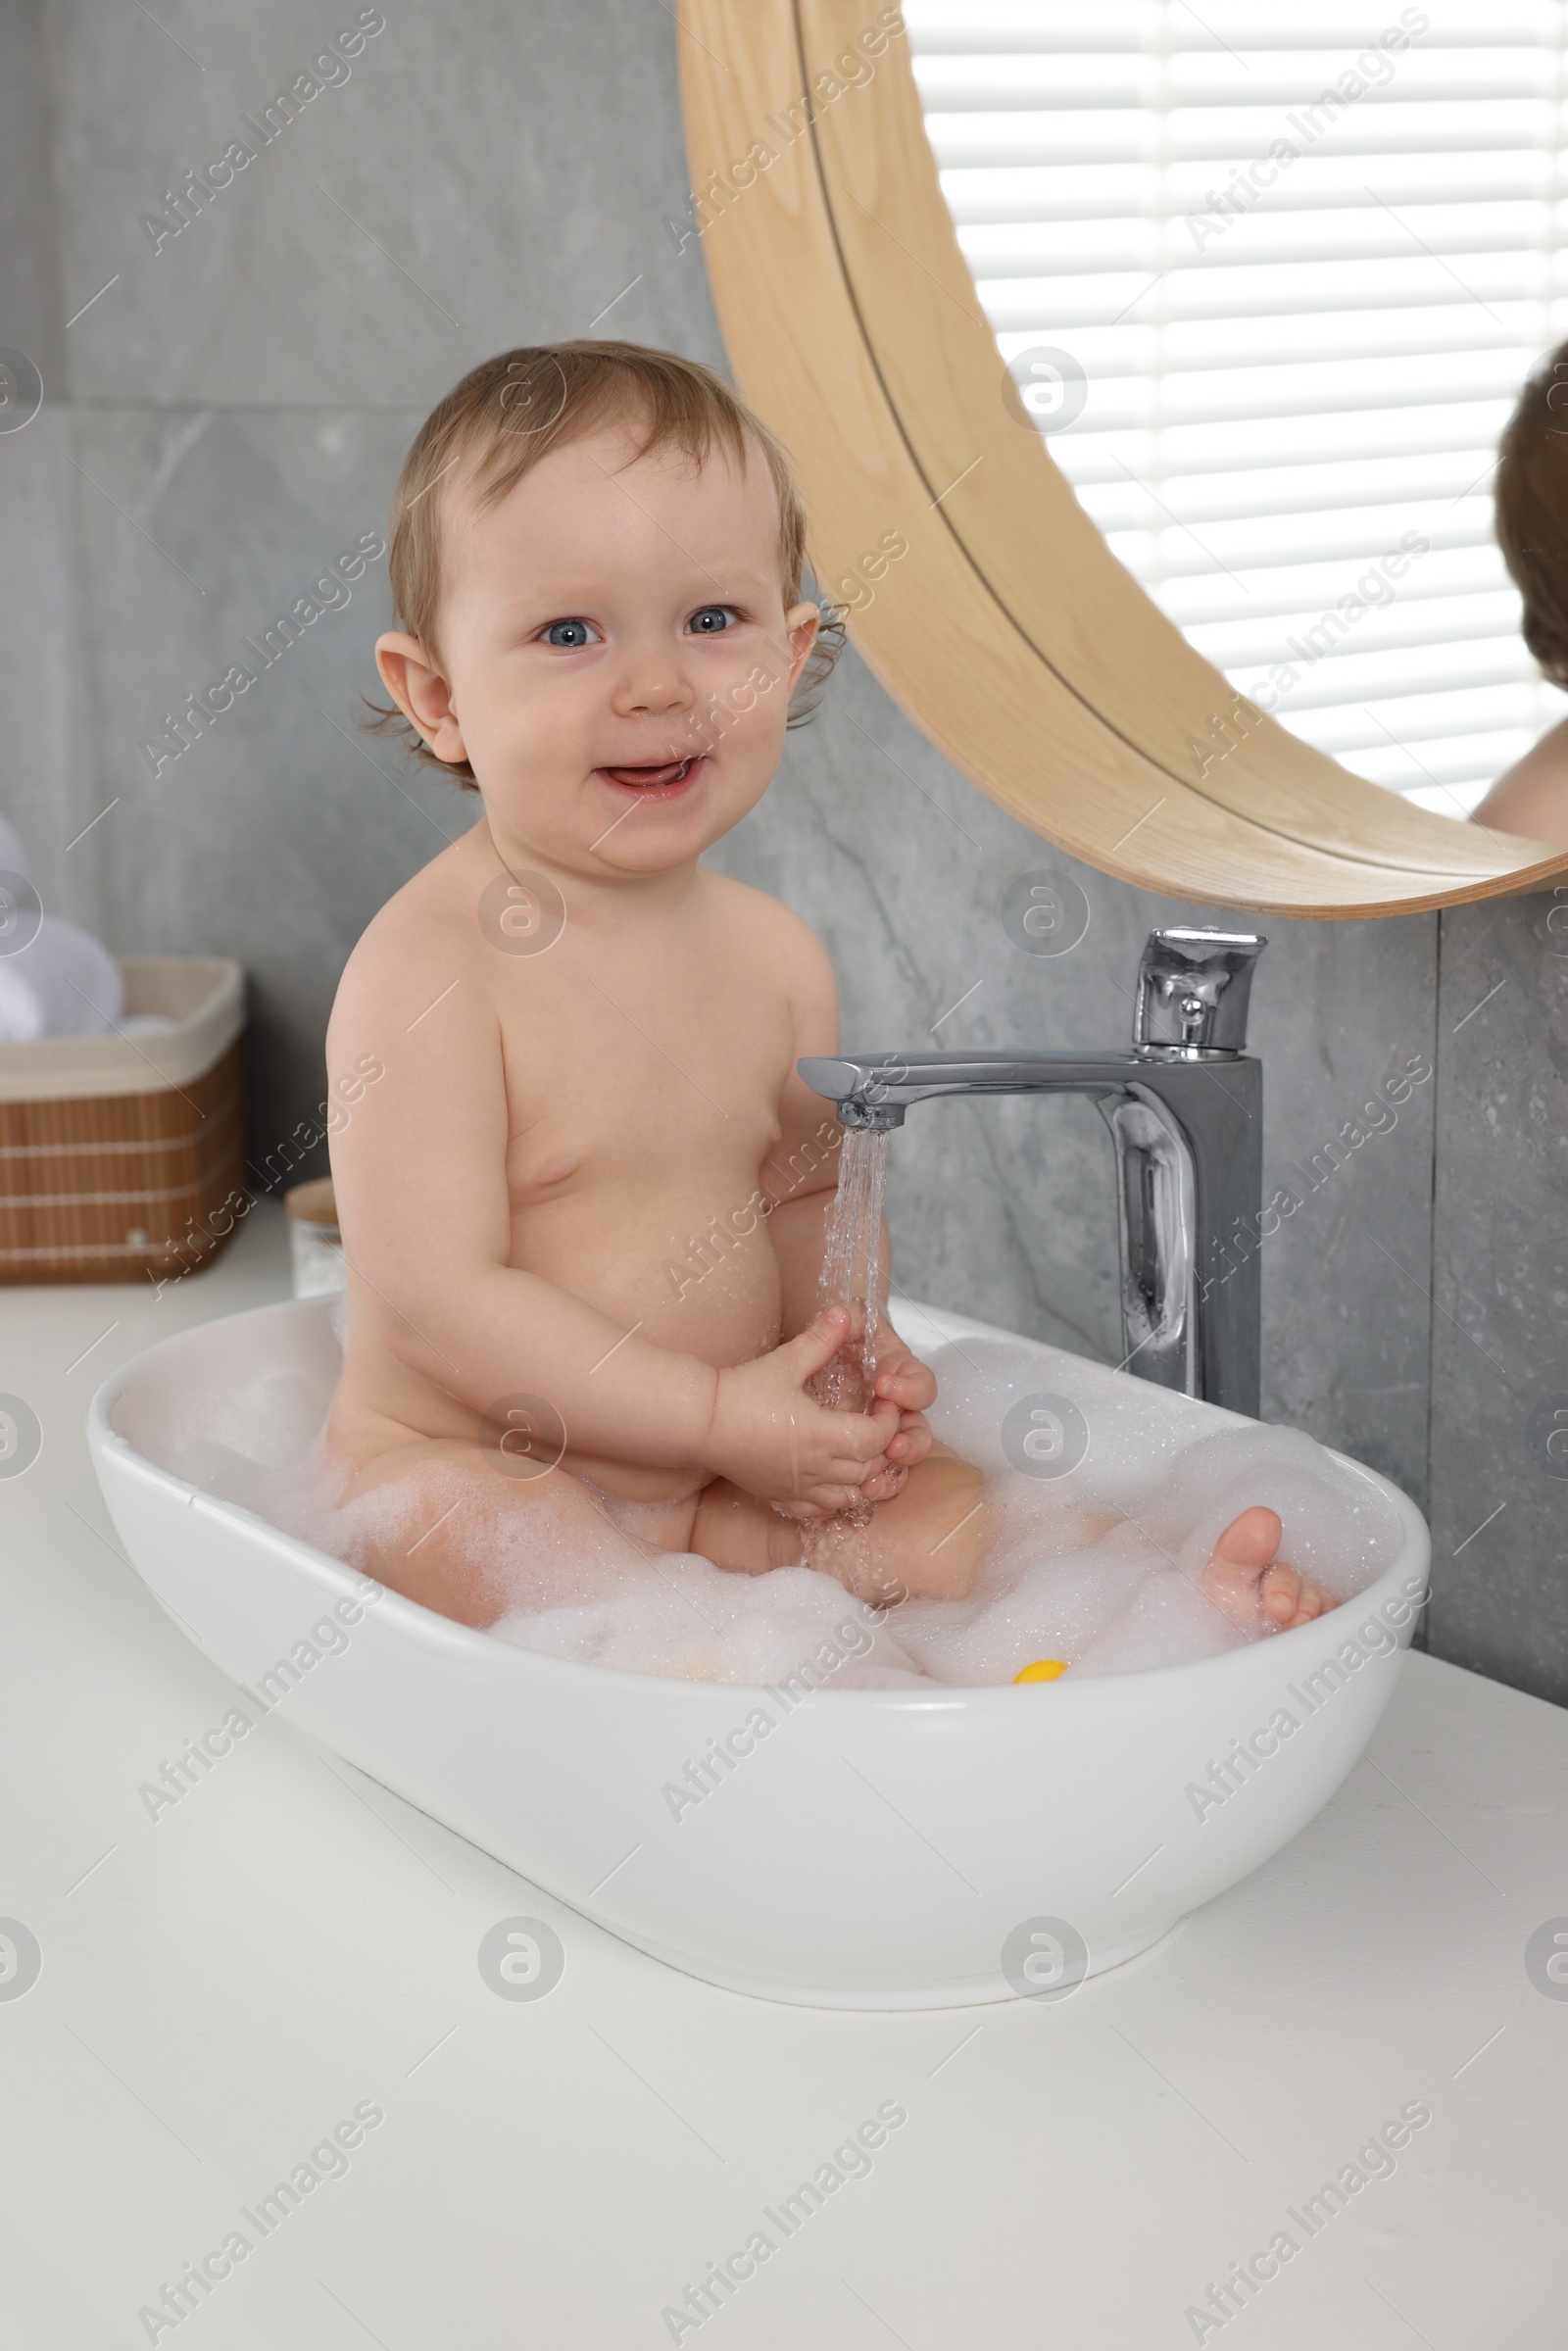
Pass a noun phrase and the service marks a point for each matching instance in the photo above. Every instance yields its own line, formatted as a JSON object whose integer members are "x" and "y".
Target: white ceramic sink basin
{"x": 901, "y": 1848}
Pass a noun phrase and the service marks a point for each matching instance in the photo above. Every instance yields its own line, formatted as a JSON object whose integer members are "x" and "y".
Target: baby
{"x": 589, "y": 1039}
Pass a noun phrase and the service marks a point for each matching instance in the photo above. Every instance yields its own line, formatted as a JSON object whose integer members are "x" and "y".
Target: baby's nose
{"x": 652, "y": 682}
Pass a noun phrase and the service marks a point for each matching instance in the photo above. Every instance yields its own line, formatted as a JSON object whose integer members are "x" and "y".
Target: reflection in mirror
{"x": 1270, "y": 280}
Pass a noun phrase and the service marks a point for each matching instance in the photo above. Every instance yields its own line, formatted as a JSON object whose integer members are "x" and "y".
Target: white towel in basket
{"x": 58, "y": 981}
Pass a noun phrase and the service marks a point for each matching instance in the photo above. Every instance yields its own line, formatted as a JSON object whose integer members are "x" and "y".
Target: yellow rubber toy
{"x": 1044, "y": 1669}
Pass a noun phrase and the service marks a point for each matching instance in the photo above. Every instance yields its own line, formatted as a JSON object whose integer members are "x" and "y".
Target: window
{"x": 1294, "y": 264}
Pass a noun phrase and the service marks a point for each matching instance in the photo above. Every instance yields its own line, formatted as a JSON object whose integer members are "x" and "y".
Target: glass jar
{"x": 315, "y": 1242}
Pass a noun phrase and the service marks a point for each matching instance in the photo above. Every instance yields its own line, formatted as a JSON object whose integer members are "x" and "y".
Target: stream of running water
{"x": 852, "y": 1267}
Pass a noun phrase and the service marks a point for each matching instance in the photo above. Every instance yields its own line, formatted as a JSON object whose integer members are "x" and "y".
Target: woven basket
{"x": 124, "y": 1156}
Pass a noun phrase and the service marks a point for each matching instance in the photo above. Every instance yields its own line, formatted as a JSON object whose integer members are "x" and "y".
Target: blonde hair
{"x": 511, "y": 411}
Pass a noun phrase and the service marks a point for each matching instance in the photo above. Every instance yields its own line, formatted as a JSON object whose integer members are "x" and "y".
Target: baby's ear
{"x": 803, "y": 621}
{"x": 421, "y": 693}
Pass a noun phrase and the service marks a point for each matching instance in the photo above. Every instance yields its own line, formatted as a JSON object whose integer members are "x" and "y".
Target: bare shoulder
{"x": 426, "y": 938}
{"x": 1531, "y": 800}
{"x": 776, "y": 935}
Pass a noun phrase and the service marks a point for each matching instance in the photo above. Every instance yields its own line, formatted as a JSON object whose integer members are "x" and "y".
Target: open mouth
{"x": 661, "y": 776}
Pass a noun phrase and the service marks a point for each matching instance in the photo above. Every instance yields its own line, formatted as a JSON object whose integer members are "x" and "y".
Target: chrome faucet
{"x": 1184, "y": 1103}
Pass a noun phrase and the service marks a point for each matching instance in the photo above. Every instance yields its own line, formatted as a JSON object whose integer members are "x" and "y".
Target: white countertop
{"x": 222, "y": 1987}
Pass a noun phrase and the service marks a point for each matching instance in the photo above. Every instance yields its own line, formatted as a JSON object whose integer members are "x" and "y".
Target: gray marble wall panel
{"x": 484, "y": 176}
{"x": 46, "y": 771}
{"x": 33, "y": 319}
{"x": 1500, "y": 1280}
{"x": 278, "y": 831}
{"x": 226, "y": 414}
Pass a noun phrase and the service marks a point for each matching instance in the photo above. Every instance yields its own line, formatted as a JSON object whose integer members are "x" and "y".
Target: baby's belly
{"x": 670, "y": 1277}
{"x": 682, "y": 1289}
{"x": 664, "y": 1265}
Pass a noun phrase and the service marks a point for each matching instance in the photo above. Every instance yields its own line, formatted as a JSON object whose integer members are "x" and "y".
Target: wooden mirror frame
{"x": 1008, "y": 632}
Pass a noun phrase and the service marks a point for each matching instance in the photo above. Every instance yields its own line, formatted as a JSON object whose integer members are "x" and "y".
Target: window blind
{"x": 1271, "y": 277}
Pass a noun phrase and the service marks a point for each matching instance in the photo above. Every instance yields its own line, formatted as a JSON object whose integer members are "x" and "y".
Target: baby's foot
{"x": 1244, "y": 1579}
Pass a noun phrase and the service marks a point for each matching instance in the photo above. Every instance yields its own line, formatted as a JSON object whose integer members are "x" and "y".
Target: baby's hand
{"x": 903, "y": 1380}
{"x": 771, "y": 1439}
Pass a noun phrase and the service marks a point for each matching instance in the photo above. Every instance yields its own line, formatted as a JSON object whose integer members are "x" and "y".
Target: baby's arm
{"x": 421, "y": 1175}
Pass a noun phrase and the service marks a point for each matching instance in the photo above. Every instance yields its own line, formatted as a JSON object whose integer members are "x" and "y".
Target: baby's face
{"x": 618, "y": 659}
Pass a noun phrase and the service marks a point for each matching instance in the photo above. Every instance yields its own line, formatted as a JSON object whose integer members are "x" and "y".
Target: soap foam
{"x": 1099, "y": 1568}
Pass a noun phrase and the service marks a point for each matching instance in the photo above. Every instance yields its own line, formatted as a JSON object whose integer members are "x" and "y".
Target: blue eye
{"x": 567, "y": 632}
{"x": 712, "y": 620}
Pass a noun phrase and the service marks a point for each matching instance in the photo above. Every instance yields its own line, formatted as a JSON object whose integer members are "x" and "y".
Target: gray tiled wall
{"x": 228, "y": 413}
{"x": 1500, "y": 1285}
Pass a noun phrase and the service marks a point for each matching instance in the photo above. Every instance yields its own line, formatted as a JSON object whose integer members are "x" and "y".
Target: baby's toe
{"x": 1250, "y": 1542}
{"x": 1314, "y": 1602}
{"x": 1310, "y": 1602}
{"x": 1281, "y": 1592}
{"x": 1241, "y": 1558}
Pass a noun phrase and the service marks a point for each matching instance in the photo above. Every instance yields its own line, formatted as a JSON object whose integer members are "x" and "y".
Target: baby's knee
{"x": 953, "y": 1531}
{"x": 436, "y": 1524}
{"x": 926, "y": 1545}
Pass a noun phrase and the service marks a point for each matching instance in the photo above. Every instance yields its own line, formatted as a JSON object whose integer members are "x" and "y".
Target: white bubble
{"x": 1101, "y": 1570}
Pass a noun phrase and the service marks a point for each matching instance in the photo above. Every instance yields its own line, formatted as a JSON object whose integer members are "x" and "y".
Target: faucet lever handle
{"x": 1192, "y": 990}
